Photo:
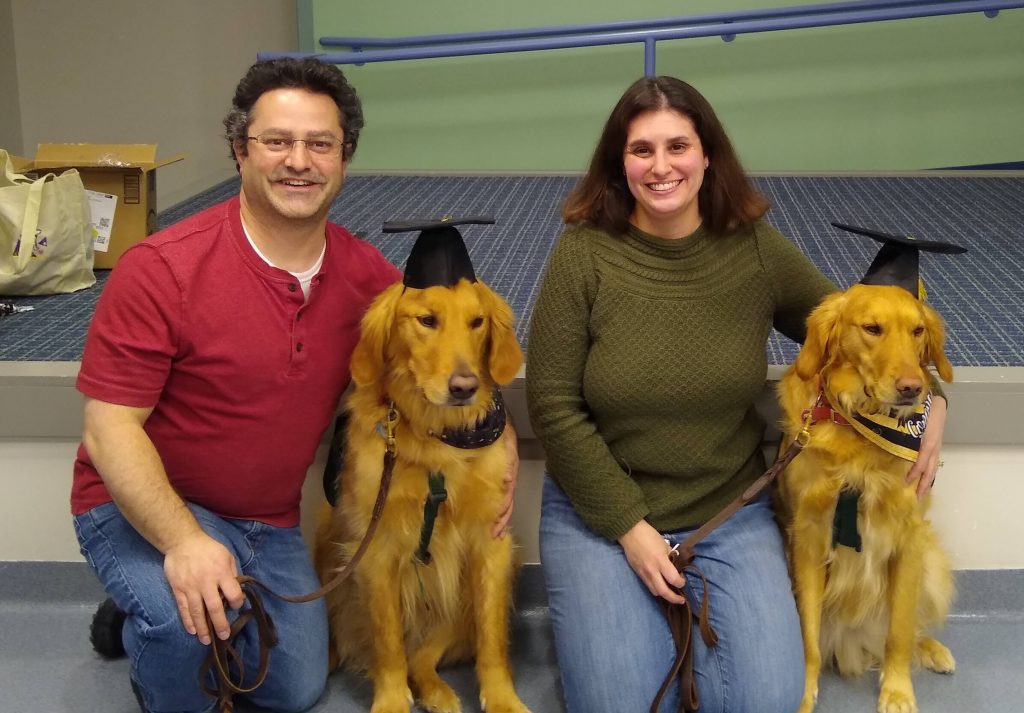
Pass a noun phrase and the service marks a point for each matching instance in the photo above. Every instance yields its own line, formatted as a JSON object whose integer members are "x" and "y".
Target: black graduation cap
{"x": 897, "y": 261}
{"x": 439, "y": 255}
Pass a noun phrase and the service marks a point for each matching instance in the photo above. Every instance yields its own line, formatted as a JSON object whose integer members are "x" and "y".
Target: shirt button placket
{"x": 298, "y": 356}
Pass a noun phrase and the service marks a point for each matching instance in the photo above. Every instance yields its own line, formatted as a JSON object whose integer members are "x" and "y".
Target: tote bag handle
{"x": 29, "y": 224}
{"x": 10, "y": 176}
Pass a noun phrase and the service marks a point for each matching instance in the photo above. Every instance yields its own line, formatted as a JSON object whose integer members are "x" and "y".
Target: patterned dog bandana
{"x": 899, "y": 436}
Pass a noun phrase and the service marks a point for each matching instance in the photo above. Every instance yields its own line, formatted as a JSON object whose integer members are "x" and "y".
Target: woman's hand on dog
{"x": 927, "y": 465}
{"x": 500, "y": 528}
{"x": 647, "y": 554}
{"x": 199, "y": 569}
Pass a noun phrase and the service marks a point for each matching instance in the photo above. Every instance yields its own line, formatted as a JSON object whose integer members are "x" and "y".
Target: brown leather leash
{"x": 223, "y": 653}
{"x": 680, "y": 616}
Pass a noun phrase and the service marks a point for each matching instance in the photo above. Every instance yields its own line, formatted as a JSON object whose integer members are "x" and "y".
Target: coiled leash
{"x": 680, "y": 616}
{"x": 223, "y": 654}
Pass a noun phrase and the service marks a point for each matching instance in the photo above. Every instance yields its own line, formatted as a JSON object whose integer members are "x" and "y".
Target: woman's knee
{"x": 773, "y": 682}
{"x": 791, "y": 688}
{"x": 611, "y": 658}
{"x": 778, "y": 692}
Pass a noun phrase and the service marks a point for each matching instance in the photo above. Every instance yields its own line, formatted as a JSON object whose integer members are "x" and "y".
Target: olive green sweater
{"x": 645, "y": 358}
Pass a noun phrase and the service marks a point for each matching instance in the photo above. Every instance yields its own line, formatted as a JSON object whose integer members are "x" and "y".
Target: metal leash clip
{"x": 390, "y": 424}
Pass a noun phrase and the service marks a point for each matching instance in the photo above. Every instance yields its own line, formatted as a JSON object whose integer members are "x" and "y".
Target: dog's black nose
{"x": 463, "y": 386}
{"x": 909, "y": 389}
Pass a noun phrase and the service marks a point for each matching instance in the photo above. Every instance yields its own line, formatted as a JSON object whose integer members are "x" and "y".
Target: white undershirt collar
{"x": 305, "y": 277}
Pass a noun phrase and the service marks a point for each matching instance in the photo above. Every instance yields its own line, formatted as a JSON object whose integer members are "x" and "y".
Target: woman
{"x": 646, "y": 354}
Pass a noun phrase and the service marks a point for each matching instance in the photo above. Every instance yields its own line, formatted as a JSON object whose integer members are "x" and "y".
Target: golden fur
{"x": 869, "y": 348}
{"x": 394, "y": 618}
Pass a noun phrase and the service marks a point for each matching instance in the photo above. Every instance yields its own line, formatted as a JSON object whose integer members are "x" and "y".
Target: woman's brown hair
{"x": 726, "y": 199}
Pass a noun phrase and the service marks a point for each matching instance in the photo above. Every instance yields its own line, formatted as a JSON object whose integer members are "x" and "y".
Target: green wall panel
{"x": 897, "y": 95}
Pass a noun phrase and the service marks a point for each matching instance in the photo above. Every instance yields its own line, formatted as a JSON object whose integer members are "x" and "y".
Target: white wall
{"x": 975, "y": 504}
{"x": 35, "y": 516}
{"x": 975, "y": 501}
{"x": 136, "y": 71}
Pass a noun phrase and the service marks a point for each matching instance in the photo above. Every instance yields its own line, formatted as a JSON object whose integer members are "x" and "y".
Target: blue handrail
{"x": 359, "y": 43}
{"x": 652, "y": 31}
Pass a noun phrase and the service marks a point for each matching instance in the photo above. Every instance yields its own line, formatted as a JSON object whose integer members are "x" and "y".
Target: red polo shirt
{"x": 242, "y": 374}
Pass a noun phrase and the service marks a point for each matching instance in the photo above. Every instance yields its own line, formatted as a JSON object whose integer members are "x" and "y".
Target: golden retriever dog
{"x": 867, "y": 351}
{"x": 437, "y": 354}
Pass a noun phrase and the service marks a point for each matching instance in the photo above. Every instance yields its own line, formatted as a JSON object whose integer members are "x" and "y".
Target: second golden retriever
{"x": 436, "y": 356}
{"x": 870, "y": 602}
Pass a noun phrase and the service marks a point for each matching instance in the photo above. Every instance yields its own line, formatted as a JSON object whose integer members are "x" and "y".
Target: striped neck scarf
{"x": 899, "y": 436}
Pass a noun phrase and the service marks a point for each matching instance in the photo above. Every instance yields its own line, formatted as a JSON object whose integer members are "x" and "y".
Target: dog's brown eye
{"x": 476, "y": 323}
{"x": 918, "y": 331}
{"x": 873, "y": 329}
{"x": 427, "y": 320}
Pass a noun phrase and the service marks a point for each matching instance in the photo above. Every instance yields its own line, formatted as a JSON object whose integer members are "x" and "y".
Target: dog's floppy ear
{"x": 934, "y": 351}
{"x": 368, "y": 357}
{"x": 504, "y": 356}
{"x": 822, "y": 327}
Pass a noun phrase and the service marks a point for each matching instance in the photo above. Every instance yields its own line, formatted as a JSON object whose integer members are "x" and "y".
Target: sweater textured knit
{"x": 646, "y": 357}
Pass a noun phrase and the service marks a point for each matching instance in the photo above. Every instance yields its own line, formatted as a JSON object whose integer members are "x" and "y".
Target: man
{"x": 213, "y": 365}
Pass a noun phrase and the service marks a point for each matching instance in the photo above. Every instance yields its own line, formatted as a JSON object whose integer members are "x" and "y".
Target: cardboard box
{"x": 127, "y": 171}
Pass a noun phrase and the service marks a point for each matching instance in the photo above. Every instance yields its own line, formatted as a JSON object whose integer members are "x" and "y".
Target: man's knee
{"x": 295, "y": 695}
{"x": 298, "y": 664}
{"x": 176, "y": 648}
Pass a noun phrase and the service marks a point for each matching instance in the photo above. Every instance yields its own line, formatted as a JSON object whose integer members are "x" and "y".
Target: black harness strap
{"x": 844, "y": 522}
{"x": 435, "y": 497}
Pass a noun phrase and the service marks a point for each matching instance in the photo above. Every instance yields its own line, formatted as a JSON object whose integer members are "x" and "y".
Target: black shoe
{"x": 105, "y": 632}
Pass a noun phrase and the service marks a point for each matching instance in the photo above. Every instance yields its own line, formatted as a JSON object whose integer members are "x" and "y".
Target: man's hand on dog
{"x": 500, "y": 528}
{"x": 647, "y": 554}
{"x": 927, "y": 465}
{"x": 199, "y": 569}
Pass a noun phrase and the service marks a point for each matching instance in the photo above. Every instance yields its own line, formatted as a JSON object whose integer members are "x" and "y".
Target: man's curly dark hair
{"x": 309, "y": 74}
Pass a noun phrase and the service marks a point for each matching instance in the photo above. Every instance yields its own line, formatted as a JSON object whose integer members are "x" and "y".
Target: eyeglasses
{"x": 326, "y": 146}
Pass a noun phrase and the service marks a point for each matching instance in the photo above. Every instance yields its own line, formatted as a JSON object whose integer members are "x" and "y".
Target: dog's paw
{"x": 897, "y": 695}
{"x": 935, "y": 656}
{"x": 437, "y": 697}
{"x": 508, "y": 705}
{"x": 392, "y": 701}
{"x": 501, "y": 699}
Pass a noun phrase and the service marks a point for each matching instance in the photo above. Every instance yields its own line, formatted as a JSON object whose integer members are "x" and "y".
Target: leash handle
{"x": 680, "y": 616}
{"x": 223, "y": 654}
{"x": 680, "y": 622}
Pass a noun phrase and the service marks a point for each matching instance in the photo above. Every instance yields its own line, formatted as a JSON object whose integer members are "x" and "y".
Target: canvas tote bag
{"x": 45, "y": 233}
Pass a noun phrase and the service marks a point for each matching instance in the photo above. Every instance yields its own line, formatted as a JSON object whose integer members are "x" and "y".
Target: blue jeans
{"x": 613, "y": 643}
{"x": 164, "y": 658}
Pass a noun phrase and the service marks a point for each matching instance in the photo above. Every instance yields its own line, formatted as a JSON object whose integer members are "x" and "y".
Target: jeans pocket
{"x": 102, "y": 514}
{"x": 80, "y": 533}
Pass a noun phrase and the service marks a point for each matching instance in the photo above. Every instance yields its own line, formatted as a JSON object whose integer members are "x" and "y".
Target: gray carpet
{"x": 47, "y": 665}
{"x": 980, "y": 294}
